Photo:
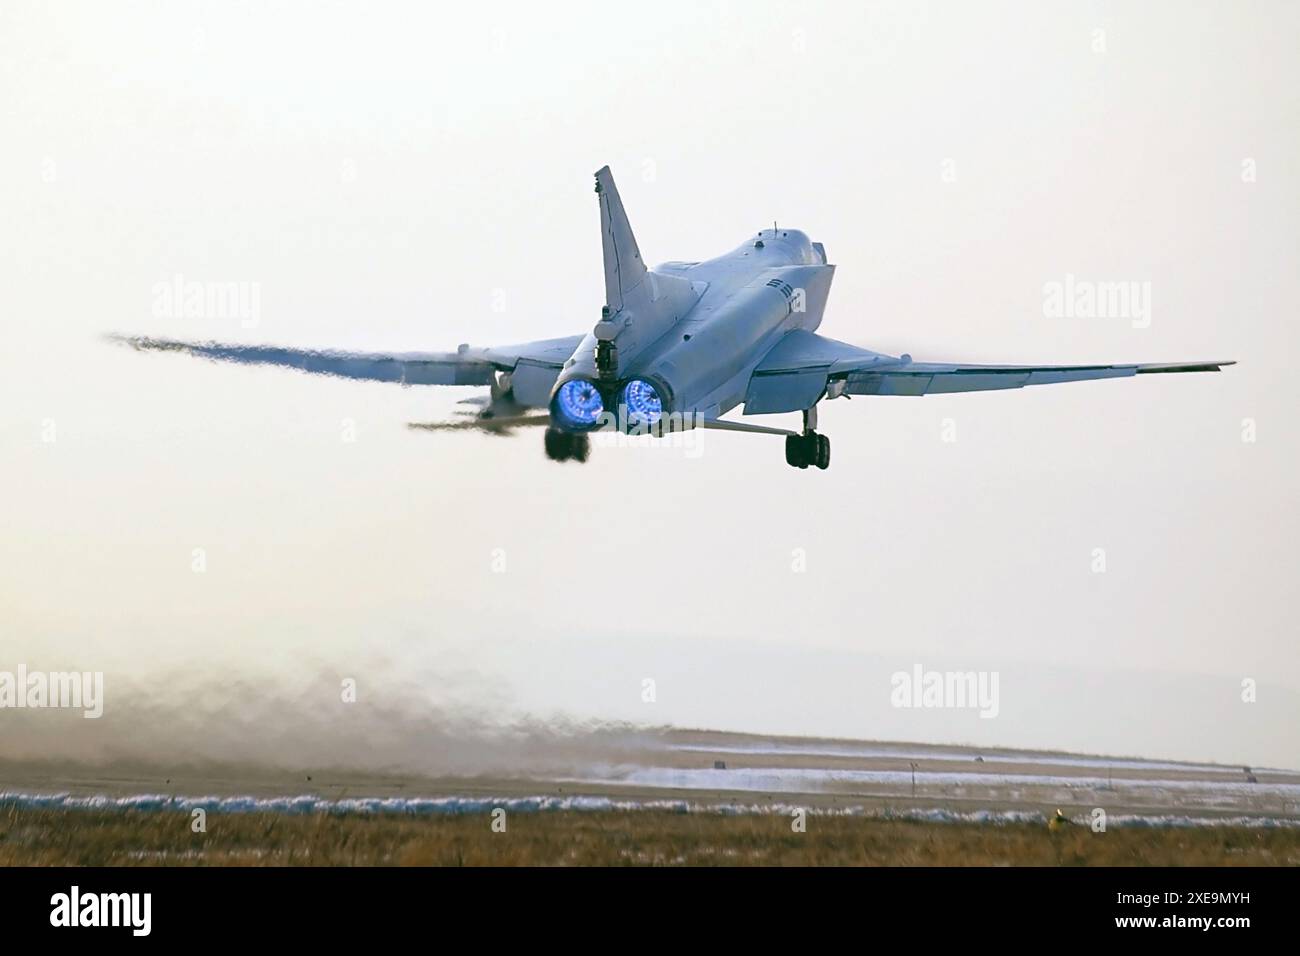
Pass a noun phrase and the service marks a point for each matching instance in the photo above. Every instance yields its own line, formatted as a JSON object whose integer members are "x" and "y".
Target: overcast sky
{"x": 413, "y": 177}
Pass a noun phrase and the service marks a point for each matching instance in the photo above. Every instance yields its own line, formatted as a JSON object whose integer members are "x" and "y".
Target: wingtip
{"x": 1156, "y": 367}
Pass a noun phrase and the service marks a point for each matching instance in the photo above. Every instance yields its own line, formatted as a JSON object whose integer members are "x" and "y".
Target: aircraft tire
{"x": 557, "y": 445}
{"x": 792, "y": 450}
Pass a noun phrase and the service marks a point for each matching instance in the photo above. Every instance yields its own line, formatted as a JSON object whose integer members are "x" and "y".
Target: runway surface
{"x": 705, "y": 770}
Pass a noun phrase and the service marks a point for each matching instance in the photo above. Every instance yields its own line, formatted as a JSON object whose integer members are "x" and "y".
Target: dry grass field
{"x": 44, "y": 837}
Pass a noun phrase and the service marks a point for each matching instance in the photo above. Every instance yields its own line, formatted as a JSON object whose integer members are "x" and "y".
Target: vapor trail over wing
{"x": 536, "y": 363}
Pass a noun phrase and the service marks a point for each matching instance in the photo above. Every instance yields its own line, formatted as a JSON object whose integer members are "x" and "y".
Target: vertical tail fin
{"x": 624, "y": 269}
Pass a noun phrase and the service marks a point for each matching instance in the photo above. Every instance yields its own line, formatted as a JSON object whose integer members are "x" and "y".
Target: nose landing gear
{"x": 562, "y": 445}
{"x": 809, "y": 448}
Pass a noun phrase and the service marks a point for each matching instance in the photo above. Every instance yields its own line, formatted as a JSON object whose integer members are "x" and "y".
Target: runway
{"x": 713, "y": 771}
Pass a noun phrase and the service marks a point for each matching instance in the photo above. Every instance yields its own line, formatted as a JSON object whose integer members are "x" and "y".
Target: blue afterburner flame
{"x": 643, "y": 403}
{"x": 578, "y": 403}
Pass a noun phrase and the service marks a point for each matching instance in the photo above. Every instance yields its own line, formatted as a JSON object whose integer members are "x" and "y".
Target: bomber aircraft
{"x": 677, "y": 347}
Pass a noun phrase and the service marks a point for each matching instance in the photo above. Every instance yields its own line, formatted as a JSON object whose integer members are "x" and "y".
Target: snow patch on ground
{"x": 433, "y": 806}
{"x": 816, "y": 780}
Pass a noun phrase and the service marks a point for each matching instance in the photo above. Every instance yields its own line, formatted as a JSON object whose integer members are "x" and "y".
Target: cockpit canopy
{"x": 794, "y": 243}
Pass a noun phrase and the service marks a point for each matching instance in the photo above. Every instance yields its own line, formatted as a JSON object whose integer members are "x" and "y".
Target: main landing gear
{"x": 808, "y": 448}
{"x": 562, "y": 445}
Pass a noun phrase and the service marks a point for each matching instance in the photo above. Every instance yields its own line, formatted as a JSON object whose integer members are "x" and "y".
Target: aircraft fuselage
{"x": 699, "y": 359}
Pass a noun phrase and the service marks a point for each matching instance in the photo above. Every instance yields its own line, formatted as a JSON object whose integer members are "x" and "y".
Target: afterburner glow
{"x": 643, "y": 403}
{"x": 578, "y": 403}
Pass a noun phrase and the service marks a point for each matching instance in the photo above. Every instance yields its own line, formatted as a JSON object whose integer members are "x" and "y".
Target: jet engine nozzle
{"x": 577, "y": 405}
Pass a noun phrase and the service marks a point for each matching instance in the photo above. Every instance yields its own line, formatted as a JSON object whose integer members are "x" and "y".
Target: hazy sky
{"x": 413, "y": 177}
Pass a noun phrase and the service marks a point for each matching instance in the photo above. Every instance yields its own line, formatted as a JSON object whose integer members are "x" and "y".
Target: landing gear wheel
{"x": 794, "y": 451}
{"x": 807, "y": 449}
{"x": 557, "y": 445}
{"x": 562, "y": 445}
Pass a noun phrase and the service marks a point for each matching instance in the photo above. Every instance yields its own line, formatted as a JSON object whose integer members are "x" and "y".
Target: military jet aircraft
{"x": 677, "y": 347}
